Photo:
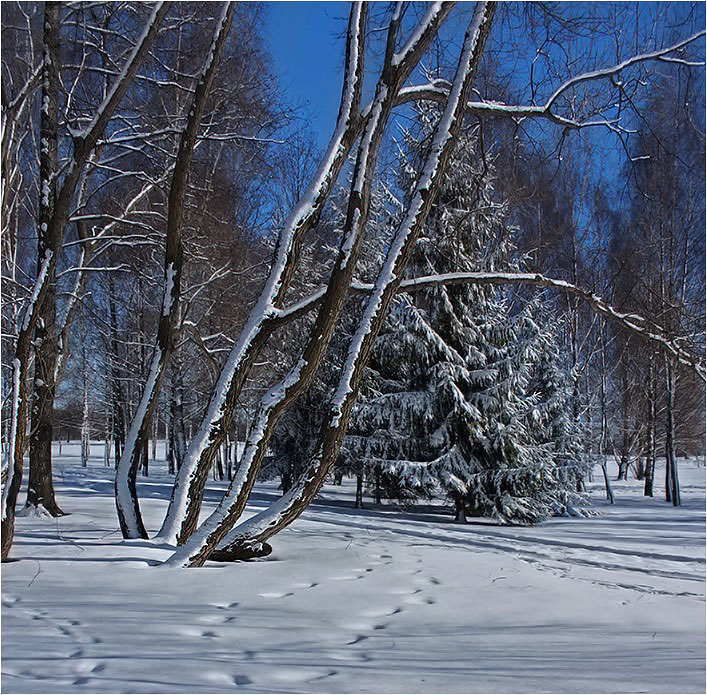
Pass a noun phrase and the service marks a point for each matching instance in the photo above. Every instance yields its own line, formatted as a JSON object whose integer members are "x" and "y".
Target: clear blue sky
{"x": 307, "y": 43}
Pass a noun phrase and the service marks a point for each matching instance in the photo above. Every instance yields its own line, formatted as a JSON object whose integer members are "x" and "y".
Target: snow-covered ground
{"x": 360, "y": 600}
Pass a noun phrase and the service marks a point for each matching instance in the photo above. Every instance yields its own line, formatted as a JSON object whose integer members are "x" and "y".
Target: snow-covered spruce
{"x": 460, "y": 397}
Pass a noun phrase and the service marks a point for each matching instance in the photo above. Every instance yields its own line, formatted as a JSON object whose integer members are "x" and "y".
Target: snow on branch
{"x": 634, "y": 322}
{"x": 438, "y": 90}
{"x": 14, "y": 106}
{"x": 121, "y": 82}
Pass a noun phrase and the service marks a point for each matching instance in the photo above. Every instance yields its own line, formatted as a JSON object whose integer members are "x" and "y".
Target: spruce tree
{"x": 450, "y": 404}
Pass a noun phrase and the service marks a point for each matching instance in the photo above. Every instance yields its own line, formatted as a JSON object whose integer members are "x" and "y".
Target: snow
{"x": 434, "y": 10}
{"x": 168, "y": 299}
{"x": 373, "y": 600}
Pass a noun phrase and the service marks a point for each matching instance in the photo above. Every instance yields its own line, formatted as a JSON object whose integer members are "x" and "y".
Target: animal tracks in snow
{"x": 276, "y": 594}
{"x": 66, "y": 628}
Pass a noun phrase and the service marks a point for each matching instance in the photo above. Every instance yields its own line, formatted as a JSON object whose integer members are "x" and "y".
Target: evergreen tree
{"x": 451, "y": 404}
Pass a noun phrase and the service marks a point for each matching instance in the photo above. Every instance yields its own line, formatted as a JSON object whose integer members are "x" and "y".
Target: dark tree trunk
{"x": 145, "y": 458}
{"x": 127, "y": 503}
{"x": 176, "y": 439}
{"x": 116, "y": 390}
{"x": 218, "y": 468}
{"x": 228, "y": 453}
{"x": 459, "y": 509}
{"x": 54, "y": 211}
{"x": 625, "y": 435}
{"x": 604, "y": 425}
{"x": 650, "y": 450}
{"x": 41, "y": 489}
{"x": 377, "y": 488}
{"x": 672, "y": 484}
{"x": 358, "y": 504}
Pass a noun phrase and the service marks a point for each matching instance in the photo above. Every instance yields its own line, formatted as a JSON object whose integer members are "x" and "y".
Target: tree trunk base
{"x": 240, "y": 553}
{"x": 51, "y": 509}
{"x": 8, "y": 533}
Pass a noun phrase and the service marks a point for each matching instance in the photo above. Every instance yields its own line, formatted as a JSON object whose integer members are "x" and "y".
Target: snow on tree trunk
{"x": 189, "y": 486}
{"x": 85, "y": 433}
{"x": 40, "y": 491}
{"x": 126, "y": 499}
{"x": 197, "y": 549}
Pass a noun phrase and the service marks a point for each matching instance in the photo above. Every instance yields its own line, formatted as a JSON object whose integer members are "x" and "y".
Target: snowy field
{"x": 360, "y": 600}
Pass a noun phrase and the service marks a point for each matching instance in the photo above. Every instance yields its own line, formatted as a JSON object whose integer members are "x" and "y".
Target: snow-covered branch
{"x": 635, "y": 323}
{"x": 438, "y": 90}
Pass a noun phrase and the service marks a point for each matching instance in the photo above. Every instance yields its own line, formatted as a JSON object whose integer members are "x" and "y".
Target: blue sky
{"x": 307, "y": 43}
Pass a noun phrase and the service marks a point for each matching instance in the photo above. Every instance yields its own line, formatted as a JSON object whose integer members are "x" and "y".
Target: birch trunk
{"x": 604, "y": 428}
{"x": 85, "y": 434}
{"x": 650, "y": 454}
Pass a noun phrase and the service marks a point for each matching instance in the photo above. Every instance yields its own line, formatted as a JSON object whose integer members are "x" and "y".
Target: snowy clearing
{"x": 373, "y": 600}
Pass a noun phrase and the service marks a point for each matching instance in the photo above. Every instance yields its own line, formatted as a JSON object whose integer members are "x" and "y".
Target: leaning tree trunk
{"x": 199, "y": 546}
{"x": 396, "y": 70}
{"x": 189, "y": 486}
